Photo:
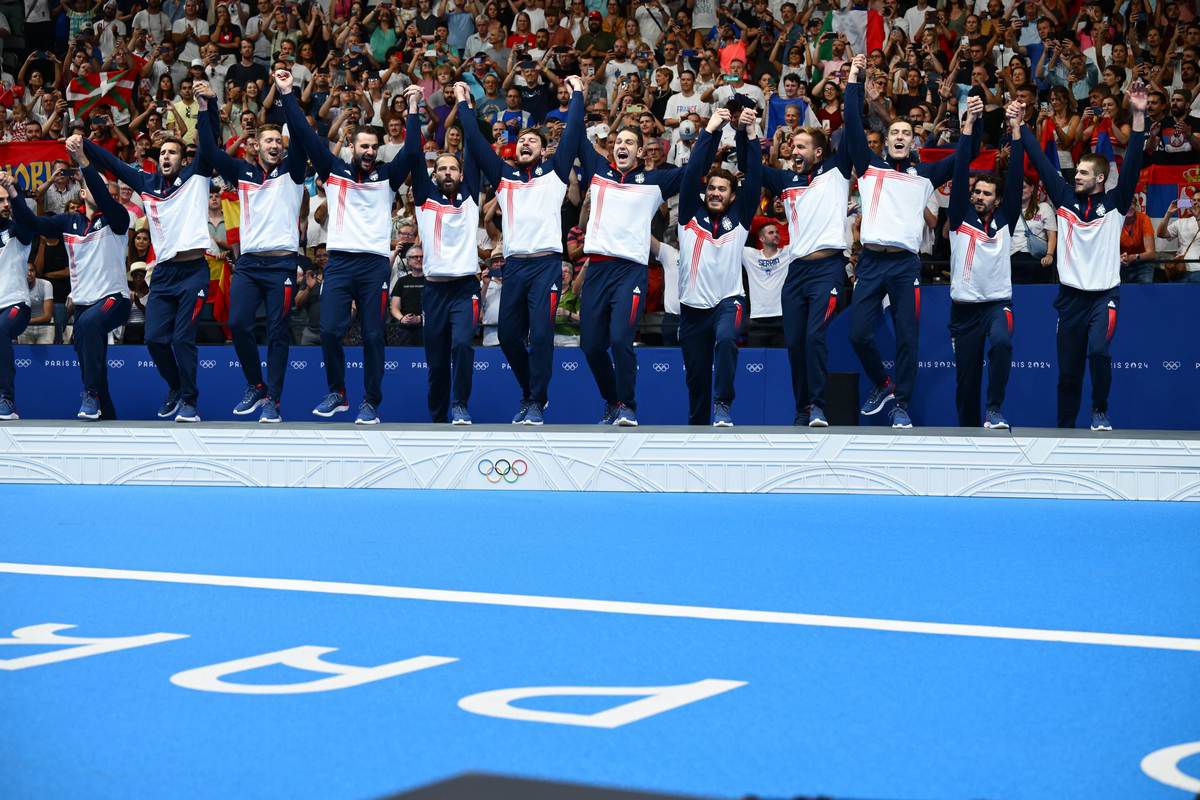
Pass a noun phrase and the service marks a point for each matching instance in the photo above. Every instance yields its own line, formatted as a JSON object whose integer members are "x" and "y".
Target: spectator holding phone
{"x": 1180, "y": 225}
{"x": 53, "y": 196}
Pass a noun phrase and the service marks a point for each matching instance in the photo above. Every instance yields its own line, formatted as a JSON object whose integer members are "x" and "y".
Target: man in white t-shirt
{"x": 653, "y": 18}
{"x": 765, "y": 271}
{"x": 617, "y": 66}
{"x": 152, "y": 20}
{"x": 41, "y": 319}
{"x": 1184, "y": 229}
{"x": 733, "y": 82}
{"x": 190, "y": 32}
{"x": 686, "y": 101}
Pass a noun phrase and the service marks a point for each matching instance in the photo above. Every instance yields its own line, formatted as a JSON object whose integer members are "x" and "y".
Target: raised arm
{"x": 27, "y": 225}
{"x": 1059, "y": 192}
{"x": 1131, "y": 170}
{"x": 701, "y": 161}
{"x": 572, "y": 135}
{"x": 115, "y": 213}
{"x": 941, "y": 171}
{"x": 491, "y": 164}
{"x": 422, "y": 185}
{"x": 1015, "y": 179}
{"x": 750, "y": 192}
{"x": 960, "y": 182}
{"x": 206, "y": 145}
{"x": 107, "y": 161}
{"x": 855, "y": 137}
{"x": 299, "y": 128}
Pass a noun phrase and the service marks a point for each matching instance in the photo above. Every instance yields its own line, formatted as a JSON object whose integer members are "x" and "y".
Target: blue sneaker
{"x": 994, "y": 420}
{"x": 900, "y": 418}
{"x": 7, "y": 409}
{"x": 252, "y": 400}
{"x": 459, "y": 415}
{"x": 1100, "y": 421}
{"x": 626, "y": 418}
{"x": 90, "y": 407}
{"x": 801, "y": 418}
{"x": 534, "y": 415}
{"x": 721, "y": 416}
{"x": 334, "y": 403}
{"x": 816, "y": 418}
{"x": 610, "y": 414}
{"x": 186, "y": 412}
{"x": 522, "y": 412}
{"x": 269, "y": 415}
{"x": 878, "y": 398}
{"x": 367, "y": 415}
{"x": 170, "y": 406}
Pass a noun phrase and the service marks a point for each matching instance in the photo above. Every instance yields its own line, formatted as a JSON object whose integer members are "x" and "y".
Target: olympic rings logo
{"x": 755, "y": 366}
{"x": 208, "y": 364}
{"x": 115, "y": 363}
{"x": 22, "y": 363}
{"x": 570, "y": 366}
{"x": 1171, "y": 365}
{"x": 661, "y": 366}
{"x": 502, "y": 469}
{"x": 298, "y": 364}
{"x": 391, "y": 366}
{"x": 889, "y": 364}
{"x": 480, "y": 366}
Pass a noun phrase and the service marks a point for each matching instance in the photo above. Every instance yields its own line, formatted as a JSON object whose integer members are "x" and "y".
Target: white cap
{"x": 598, "y": 131}
{"x": 687, "y": 130}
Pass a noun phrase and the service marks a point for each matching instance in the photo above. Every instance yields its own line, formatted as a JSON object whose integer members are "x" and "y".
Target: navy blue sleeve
{"x": 298, "y": 127}
{"x": 568, "y": 147}
{"x": 471, "y": 179}
{"x": 206, "y": 146}
{"x": 750, "y": 192}
{"x": 939, "y": 172}
{"x": 27, "y": 225}
{"x": 490, "y": 164}
{"x": 590, "y": 160}
{"x": 1057, "y": 189}
{"x": 114, "y": 213}
{"x": 776, "y": 180}
{"x": 960, "y": 182}
{"x": 1014, "y": 182}
{"x": 398, "y": 170}
{"x": 668, "y": 179}
{"x": 855, "y": 136}
{"x": 297, "y": 162}
{"x": 1121, "y": 197}
{"x": 703, "y": 153}
{"x": 415, "y": 158}
{"x": 134, "y": 177}
{"x": 841, "y": 158}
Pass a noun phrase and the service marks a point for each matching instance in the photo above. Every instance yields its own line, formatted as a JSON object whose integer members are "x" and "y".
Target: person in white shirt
{"x": 154, "y": 22}
{"x": 733, "y": 83}
{"x": 1185, "y": 230}
{"x": 686, "y": 101}
{"x": 190, "y": 32}
{"x": 653, "y": 18}
{"x": 765, "y": 269}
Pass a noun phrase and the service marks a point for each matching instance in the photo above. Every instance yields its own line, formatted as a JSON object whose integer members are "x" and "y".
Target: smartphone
{"x": 589, "y": 71}
{"x": 688, "y": 53}
{"x": 1045, "y": 108}
{"x": 1097, "y": 111}
{"x": 431, "y": 53}
{"x": 1185, "y": 202}
{"x": 356, "y": 48}
{"x": 731, "y": 78}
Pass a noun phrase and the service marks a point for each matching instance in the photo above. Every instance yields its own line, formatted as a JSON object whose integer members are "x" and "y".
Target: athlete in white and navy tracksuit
{"x": 270, "y": 197}
{"x": 96, "y": 245}
{"x": 712, "y": 303}
{"x": 15, "y": 240}
{"x": 177, "y": 212}
{"x": 530, "y": 200}
{"x": 981, "y": 281}
{"x": 359, "y": 204}
{"x": 894, "y": 195}
{"x": 1089, "y": 273}
{"x": 617, "y": 243}
{"x": 449, "y": 228}
{"x": 815, "y": 203}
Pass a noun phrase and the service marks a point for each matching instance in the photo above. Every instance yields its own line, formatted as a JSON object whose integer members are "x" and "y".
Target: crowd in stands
{"x": 661, "y": 66}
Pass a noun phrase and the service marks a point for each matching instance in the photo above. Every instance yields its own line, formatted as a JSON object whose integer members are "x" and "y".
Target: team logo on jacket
{"x": 1100, "y": 210}
{"x": 177, "y": 182}
{"x": 374, "y": 176}
{"x": 538, "y": 171}
{"x": 639, "y": 178}
{"x": 911, "y": 170}
{"x": 4, "y": 237}
{"x": 1112, "y": 303}
{"x": 726, "y": 224}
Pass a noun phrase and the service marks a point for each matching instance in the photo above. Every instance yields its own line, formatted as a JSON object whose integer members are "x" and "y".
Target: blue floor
{"x": 842, "y": 712}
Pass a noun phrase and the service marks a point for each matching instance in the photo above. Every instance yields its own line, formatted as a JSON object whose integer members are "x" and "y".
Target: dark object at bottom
{"x": 478, "y": 786}
{"x": 841, "y": 398}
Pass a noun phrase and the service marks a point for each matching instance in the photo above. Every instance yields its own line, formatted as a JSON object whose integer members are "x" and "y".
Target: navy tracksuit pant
{"x": 93, "y": 324}
{"x": 708, "y": 338}
{"x": 611, "y": 305}
{"x": 361, "y": 278}
{"x": 898, "y": 277}
{"x": 528, "y": 305}
{"x": 974, "y": 326}
{"x": 1086, "y": 324}
{"x": 451, "y": 310}
{"x": 270, "y": 281}
{"x": 178, "y": 290}
{"x": 13, "y": 321}
{"x": 810, "y": 298}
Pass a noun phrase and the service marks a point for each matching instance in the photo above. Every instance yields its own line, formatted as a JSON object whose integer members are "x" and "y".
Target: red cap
{"x": 594, "y": 15}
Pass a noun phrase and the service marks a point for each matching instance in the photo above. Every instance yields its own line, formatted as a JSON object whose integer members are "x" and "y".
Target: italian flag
{"x": 863, "y": 28}
{"x": 86, "y": 92}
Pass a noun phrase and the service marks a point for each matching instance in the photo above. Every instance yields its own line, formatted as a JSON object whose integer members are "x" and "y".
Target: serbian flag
{"x": 984, "y": 162}
{"x": 862, "y": 27}
{"x": 101, "y": 89}
{"x": 1049, "y": 146}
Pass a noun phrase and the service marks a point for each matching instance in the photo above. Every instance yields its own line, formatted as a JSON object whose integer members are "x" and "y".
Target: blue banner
{"x": 1156, "y": 373}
